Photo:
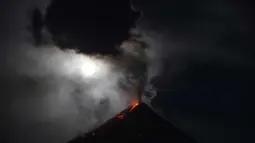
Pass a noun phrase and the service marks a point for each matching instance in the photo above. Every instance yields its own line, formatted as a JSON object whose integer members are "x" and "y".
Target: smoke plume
{"x": 52, "y": 95}
{"x": 63, "y": 89}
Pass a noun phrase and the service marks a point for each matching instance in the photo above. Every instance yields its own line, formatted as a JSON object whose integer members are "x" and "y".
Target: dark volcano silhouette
{"x": 141, "y": 124}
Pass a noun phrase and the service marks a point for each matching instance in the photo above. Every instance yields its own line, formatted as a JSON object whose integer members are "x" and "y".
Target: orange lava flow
{"x": 133, "y": 107}
{"x": 120, "y": 116}
{"x": 134, "y": 104}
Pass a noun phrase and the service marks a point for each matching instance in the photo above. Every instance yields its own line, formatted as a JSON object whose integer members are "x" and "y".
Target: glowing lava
{"x": 120, "y": 116}
{"x": 133, "y": 106}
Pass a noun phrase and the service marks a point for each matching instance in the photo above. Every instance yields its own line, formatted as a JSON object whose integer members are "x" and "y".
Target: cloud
{"x": 52, "y": 95}
{"x": 62, "y": 92}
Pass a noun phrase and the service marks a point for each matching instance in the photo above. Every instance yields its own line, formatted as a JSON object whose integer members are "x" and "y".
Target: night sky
{"x": 201, "y": 61}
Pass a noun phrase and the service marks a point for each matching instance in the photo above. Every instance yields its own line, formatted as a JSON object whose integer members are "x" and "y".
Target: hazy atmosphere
{"x": 200, "y": 59}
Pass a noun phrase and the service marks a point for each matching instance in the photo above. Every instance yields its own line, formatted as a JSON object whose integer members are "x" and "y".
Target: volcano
{"x": 137, "y": 123}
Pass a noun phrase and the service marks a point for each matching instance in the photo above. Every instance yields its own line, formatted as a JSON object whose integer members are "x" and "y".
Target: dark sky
{"x": 208, "y": 55}
{"x": 206, "y": 52}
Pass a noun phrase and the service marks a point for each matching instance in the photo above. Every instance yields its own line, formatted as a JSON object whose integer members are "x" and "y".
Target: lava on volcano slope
{"x": 137, "y": 123}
